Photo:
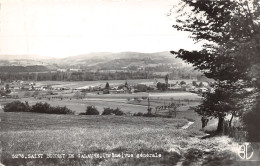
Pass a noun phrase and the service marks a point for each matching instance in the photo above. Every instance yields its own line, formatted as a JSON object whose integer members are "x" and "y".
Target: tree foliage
{"x": 91, "y": 110}
{"x": 16, "y": 106}
{"x": 230, "y": 31}
{"x": 107, "y": 86}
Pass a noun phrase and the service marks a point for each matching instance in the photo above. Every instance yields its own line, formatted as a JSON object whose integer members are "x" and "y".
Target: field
{"x": 28, "y": 133}
{"x": 126, "y": 102}
{"x": 80, "y": 84}
{"x": 177, "y": 140}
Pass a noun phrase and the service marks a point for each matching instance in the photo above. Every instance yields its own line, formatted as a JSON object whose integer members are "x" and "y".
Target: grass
{"x": 40, "y": 133}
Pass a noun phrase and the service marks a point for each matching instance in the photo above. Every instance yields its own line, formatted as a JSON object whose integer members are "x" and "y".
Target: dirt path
{"x": 187, "y": 125}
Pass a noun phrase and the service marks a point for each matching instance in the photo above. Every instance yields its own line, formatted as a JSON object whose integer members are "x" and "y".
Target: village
{"x": 19, "y": 89}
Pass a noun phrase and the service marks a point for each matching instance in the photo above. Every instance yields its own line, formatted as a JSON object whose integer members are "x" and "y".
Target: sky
{"x": 61, "y": 28}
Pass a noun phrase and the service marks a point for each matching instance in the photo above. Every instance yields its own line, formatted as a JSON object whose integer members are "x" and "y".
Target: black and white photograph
{"x": 129, "y": 82}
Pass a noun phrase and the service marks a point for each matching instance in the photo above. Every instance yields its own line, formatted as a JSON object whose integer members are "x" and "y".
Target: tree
{"x": 91, "y": 110}
{"x": 107, "y": 86}
{"x": 182, "y": 82}
{"x": 159, "y": 86}
{"x": 232, "y": 34}
{"x": 7, "y": 86}
{"x": 194, "y": 83}
{"x": 201, "y": 84}
{"x": 166, "y": 79}
{"x": 7, "y": 89}
{"x": 16, "y": 106}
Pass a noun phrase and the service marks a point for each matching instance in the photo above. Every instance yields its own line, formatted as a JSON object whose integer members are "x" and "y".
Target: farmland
{"x": 125, "y": 102}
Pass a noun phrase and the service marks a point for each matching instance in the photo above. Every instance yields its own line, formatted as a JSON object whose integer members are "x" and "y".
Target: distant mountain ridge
{"x": 22, "y": 57}
{"x": 17, "y": 69}
{"x": 106, "y": 58}
{"x": 98, "y": 60}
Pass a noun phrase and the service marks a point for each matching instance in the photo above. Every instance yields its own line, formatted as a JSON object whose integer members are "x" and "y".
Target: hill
{"x": 111, "y": 61}
{"x": 16, "y": 69}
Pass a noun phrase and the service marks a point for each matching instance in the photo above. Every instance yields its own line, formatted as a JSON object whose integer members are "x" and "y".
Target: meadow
{"x": 32, "y": 133}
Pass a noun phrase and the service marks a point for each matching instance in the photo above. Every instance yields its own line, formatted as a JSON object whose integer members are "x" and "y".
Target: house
{"x": 205, "y": 84}
{"x": 189, "y": 88}
{"x": 38, "y": 88}
{"x": 26, "y": 87}
{"x": 75, "y": 70}
{"x": 62, "y": 70}
{"x": 203, "y": 90}
{"x": 117, "y": 91}
{"x": 15, "y": 87}
{"x": 174, "y": 86}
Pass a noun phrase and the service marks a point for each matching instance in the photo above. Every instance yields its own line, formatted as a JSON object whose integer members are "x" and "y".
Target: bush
{"x": 117, "y": 111}
{"x": 111, "y": 111}
{"x": 16, "y": 106}
{"x": 41, "y": 107}
{"x": 82, "y": 113}
{"x": 138, "y": 114}
{"x": 61, "y": 110}
{"x": 141, "y": 88}
{"x": 46, "y": 108}
{"x": 91, "y": 110}
{"x": 107, "y": 111}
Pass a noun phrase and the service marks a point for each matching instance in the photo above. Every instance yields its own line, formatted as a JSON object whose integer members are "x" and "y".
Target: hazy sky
{"x": 61, "y": 28}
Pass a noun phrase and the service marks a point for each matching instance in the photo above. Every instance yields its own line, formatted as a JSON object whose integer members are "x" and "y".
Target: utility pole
{"x": 149, "y": 109}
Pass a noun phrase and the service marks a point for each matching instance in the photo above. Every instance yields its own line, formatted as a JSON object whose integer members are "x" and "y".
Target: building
{"x": 75, "y": 70}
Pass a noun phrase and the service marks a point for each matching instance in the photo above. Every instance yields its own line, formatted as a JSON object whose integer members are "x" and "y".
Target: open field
{"x": 78, "y": 84}
{"x": 125, "y": 102}
{"x": 32, "y": 133}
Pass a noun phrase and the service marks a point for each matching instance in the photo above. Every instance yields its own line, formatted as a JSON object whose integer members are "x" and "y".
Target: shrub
{"x": 61, "y": 110}
{"x": 41, "y": 108}
{"x": 117, "y": 111}
{"x": 91, "y": 110}
{"x": 138, "y": 114}
{"x": 141, "y": 88}
{"x": 46, "y": 108}
{"x": 150, "y": 115}
{"x": 107, "y": 111}
{"x": 16, "y": 106}
{"x": 82, "y": 113}
{"x": 111, "y": 111}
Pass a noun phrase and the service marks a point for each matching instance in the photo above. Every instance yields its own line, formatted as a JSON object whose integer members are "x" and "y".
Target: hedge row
{"x": 18, "y": 106}
{"x": 91, "y": 110}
